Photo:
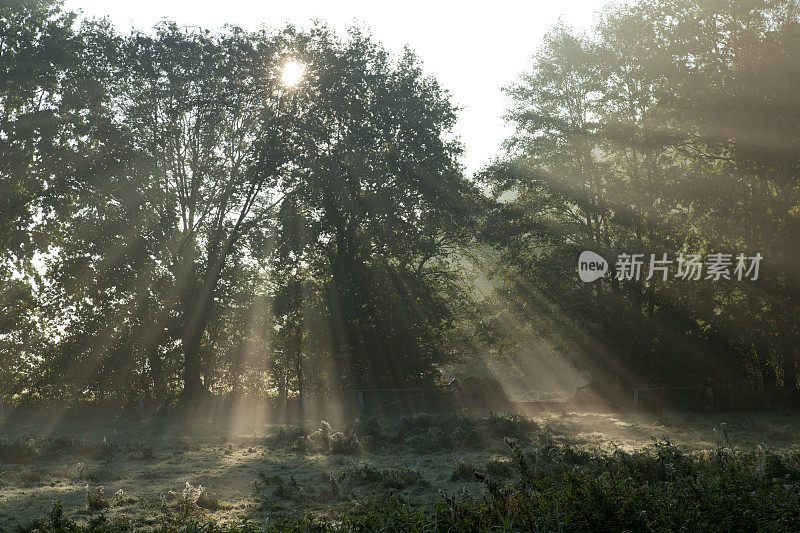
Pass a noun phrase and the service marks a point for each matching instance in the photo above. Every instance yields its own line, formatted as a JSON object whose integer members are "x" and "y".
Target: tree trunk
{"x": 768, "y": 377}
{"x": 196, "y": 315}
{"x": 192, "y": 383}
{"x": 789, "y": 369}
{"x": 156, "y": 375}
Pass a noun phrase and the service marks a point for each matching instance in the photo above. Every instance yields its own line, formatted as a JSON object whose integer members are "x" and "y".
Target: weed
{"x": 500, "y": 468}
{"x": 207, "y": 501}
{"x": 344, "y": 444}
{"x": 96, "y": 499}
{"x": 397, "y": 478}
{"x": 463, "y": 472}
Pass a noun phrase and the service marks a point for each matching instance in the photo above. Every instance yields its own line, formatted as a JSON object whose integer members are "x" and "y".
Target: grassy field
{"x": 142, "y": 474}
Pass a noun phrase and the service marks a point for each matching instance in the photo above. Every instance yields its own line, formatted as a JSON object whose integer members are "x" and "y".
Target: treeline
{"x": 178, "y": 218}
{"x": 182, "y": 219}
{"x": 671, "y": 128}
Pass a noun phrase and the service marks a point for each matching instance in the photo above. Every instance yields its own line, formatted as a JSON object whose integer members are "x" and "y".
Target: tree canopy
{"x": 206, "y": 227}
{"x": 670, "y": 129}
{"x": 179, "y": 218}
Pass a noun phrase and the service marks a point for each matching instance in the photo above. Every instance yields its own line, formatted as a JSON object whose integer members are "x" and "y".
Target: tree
{"x": 197, "y": 105}
{"x": 380, "y": 211}
{"x": 645, "y": 140}
{"x": 203, "y": 224}
{"x": 38, "y": 48}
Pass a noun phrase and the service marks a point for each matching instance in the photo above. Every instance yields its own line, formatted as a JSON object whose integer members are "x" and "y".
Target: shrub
{"x": 207, "y": 501}
{"x": 430, "y": 433}
{"x": 370, "y": 433}
{"x": 370, "y": 428}
{"x": 96, "y": 499}
{"x": 364, "y": 473}
{"x": 397, "y": 478}
{"x": 344, "y": 444}
{"x": 317, "y": 441}
{"x": 498, "y": 468}
{"x": 325, "y": 439}
{"x": 431, "y": 441}
{"x": 289, "y": 435}
{"x": 508, "y": 425}
{"x": 424, "y": 423}
{"x": 30, "y": 477}
{"x": 280, "y": 487}
{"x": 463, "y": 472}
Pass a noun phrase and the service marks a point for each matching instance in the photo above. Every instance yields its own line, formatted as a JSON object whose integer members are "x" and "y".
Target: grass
{"x": 554, "y": 471}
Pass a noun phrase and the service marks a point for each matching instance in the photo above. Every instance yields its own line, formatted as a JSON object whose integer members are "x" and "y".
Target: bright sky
{"x": 473, "y": 49}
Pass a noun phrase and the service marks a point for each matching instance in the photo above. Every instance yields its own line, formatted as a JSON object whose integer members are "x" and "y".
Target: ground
{"x": 266, "y": 473}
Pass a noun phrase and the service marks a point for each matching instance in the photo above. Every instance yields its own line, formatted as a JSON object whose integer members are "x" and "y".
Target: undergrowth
{"x": 554, "y": 487}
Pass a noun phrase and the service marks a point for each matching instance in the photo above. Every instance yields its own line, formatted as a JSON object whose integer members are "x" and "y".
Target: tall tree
{"x": 197, "y": 105}
{"x": 385, "y": 208}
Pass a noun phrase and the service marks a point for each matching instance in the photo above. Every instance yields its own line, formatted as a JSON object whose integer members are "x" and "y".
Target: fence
{"x": 374, "y": 401}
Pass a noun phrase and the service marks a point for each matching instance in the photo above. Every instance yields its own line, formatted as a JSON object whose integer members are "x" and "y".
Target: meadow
{"x": 547, "y": 471}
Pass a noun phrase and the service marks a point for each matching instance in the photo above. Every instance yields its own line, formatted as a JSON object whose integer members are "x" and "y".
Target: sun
{"x": 292, "y": 73}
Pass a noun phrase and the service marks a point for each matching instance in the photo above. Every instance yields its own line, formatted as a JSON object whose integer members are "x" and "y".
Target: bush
{"x": 659, "y": 489}
{"x": 432, "y": 441}
{"x": 325, "y": 440}
{"x": 464, "y": 472}
{"x": 289, "y": 435}
{"x": 29, "y": 449}
{"x": 397, "y": 478}
{"x": 509, "y": 425}
{"x": 96, "y": 499}
{"x": 402, "y": 478}
{"x": 480, "y": 392}
{"x": 554, "y": 487}
{"x": 344, "y": 444}
{"x": 498, "y": 468}
{"x": 434, "y": 433}
{"x": 370, "y": 433}
{"x": 208, "y": 501}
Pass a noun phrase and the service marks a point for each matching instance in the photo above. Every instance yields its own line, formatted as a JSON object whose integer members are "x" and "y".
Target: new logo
{"x": 591, "y": 266}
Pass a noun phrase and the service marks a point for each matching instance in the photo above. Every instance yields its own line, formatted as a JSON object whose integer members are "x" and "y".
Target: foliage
{"x": 203, "y": 227}
{"x": 666, "y": 130}
{"x": 397, "y": 478}
{"x": 29, "y": 449}
{"x": 558, "y": 487}
{"x": 96, "y": 499}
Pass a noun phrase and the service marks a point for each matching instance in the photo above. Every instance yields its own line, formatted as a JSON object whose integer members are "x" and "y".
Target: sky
{"x": 473, "y": 49}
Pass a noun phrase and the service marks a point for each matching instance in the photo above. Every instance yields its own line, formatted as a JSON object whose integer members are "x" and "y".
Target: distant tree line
{"x": 177, "y": 220}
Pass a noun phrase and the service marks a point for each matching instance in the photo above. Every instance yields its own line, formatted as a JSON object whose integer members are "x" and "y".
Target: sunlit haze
{"x": 473, "y": 52}
{"x": 423, "y": 266}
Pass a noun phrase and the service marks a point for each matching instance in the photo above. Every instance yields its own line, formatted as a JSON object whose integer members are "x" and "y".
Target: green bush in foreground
{"x": 560, "y": 488}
